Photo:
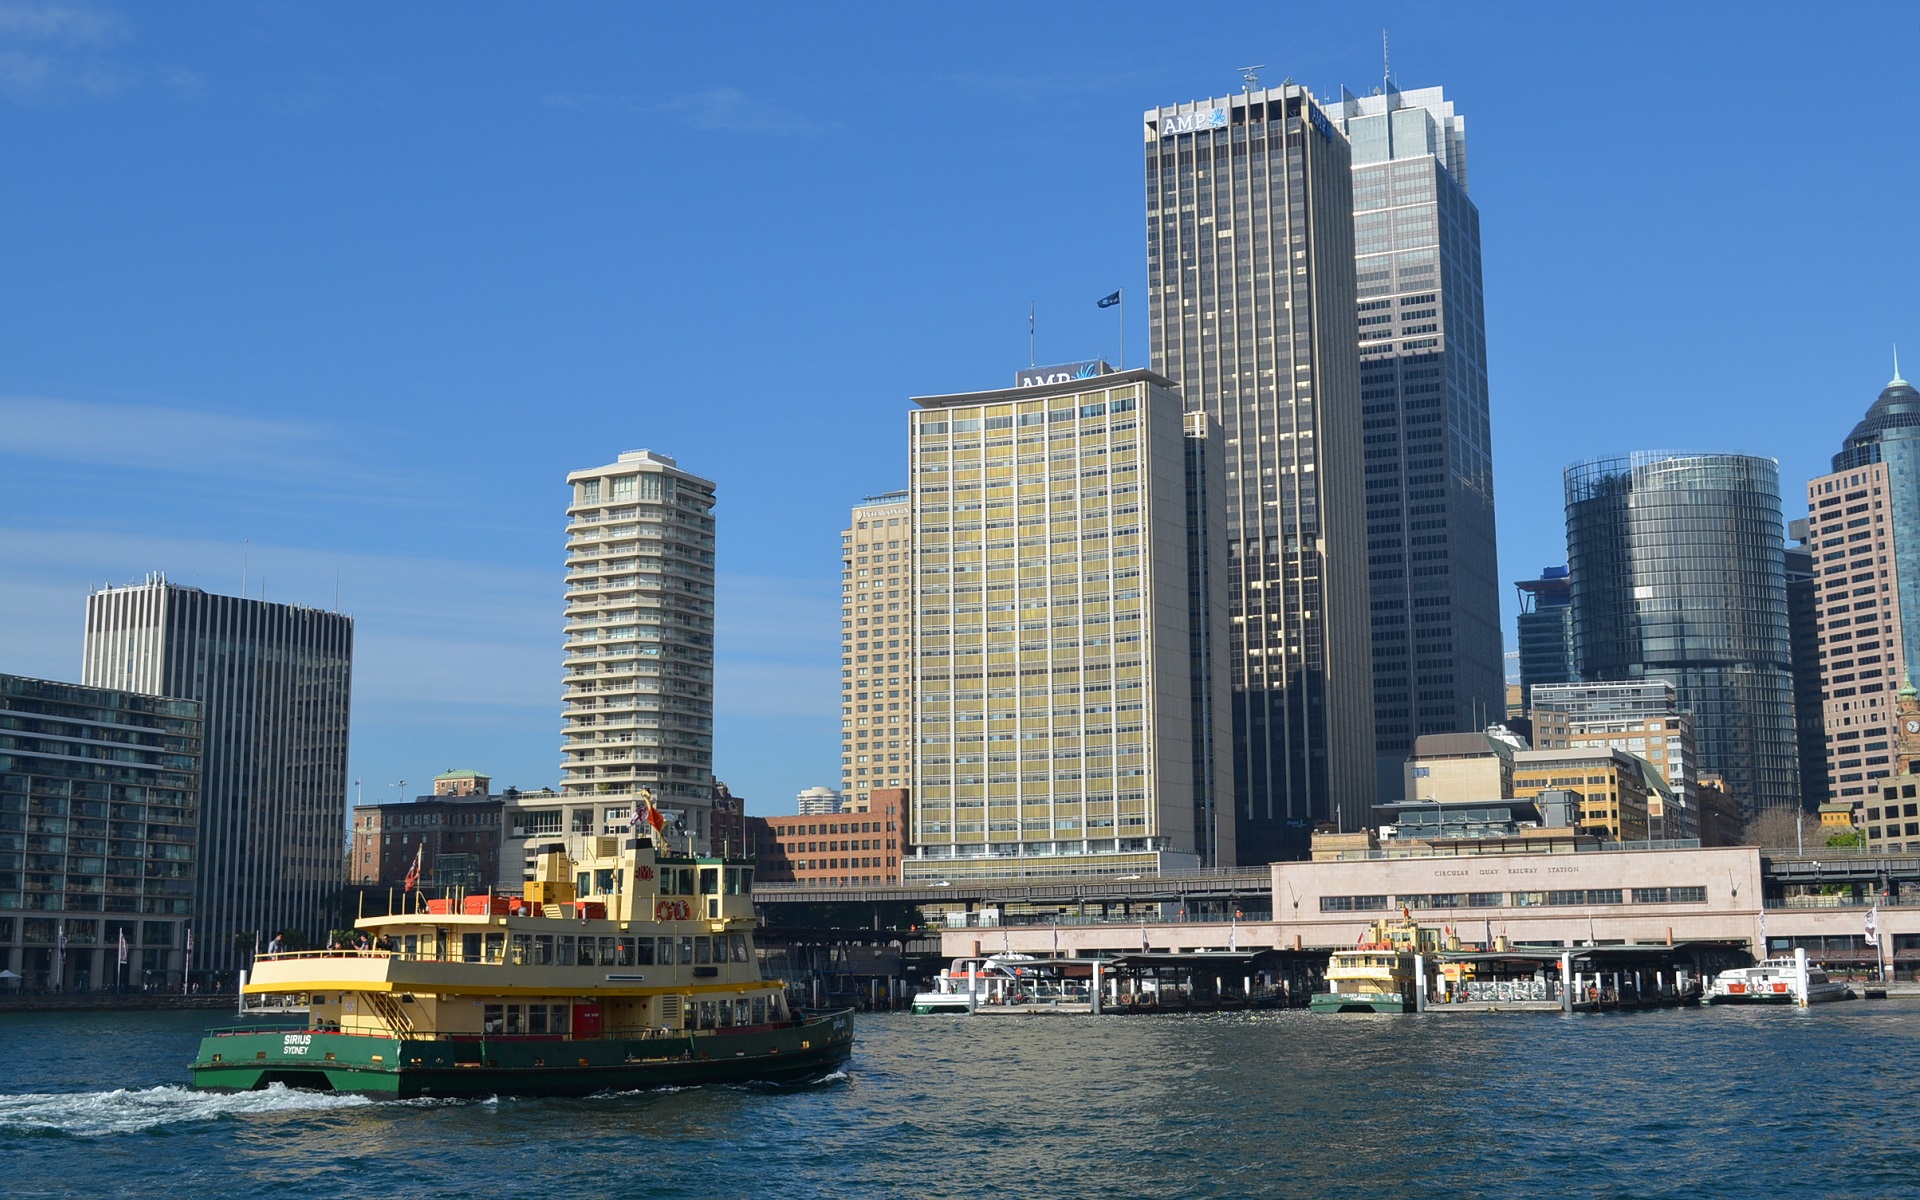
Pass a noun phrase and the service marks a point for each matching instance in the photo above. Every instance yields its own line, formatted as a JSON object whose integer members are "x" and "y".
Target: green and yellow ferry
{"x": 632, "y": 969}
{"x": 1377, "y": 975}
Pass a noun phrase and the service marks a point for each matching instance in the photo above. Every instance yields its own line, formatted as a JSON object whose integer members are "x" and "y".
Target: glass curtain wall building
{"x": 1545, "y": 629}
{"x": 99, "y": 817}
{"x": 1055, "y": 690}
{"x": 274, "y": 683}
{"x": 1249, "y": 204}
{"x": 1863, "y": 535}
{"x": 639, "y": 637}
{"x": 1432, "y": 567}
{"x": 1676, "y": 565}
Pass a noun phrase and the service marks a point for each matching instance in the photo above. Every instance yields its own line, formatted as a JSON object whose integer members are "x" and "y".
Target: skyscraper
{"x": 1251, "y": 315}
{"x": 639, "y": 637}
{"x": 1545, "y": 628}
{"x": 1055, "y": 691}
{"x": 1863, "y": 531}
{"x": 1676, "y": 562}
{"x": 876, "y": 649}
{"x": 274, "y": 682}
{"x": 1432, "y": 570}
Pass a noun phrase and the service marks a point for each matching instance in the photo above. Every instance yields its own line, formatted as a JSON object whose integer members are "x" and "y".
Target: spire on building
{"x": 1897, "y": 381}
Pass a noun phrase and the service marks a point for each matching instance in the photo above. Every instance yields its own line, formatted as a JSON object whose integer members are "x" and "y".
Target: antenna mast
{"x": 1251, "y": 75}
{"x": 1386, "y": 64}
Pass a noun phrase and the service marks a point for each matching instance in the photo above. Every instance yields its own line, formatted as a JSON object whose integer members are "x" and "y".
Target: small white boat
{"x": 971, "y": 984}
{"x": 1776, "y": 981}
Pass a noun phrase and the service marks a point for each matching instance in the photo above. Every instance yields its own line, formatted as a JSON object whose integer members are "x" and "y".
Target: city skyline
{"x": 403, "y": 458}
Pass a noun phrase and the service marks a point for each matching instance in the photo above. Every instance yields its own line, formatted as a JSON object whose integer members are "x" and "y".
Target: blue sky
{"x": 334, "y": 295}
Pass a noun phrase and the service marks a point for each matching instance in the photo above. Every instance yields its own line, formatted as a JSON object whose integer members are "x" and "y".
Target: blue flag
{"x": 1110, "y": 301}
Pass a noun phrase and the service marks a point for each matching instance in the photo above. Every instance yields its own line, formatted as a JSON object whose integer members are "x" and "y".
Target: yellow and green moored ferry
{"x": 1377, "y": 975}
{"x": 632, "y": 969}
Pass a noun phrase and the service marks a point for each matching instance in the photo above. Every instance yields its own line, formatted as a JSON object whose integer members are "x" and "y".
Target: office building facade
{"x": 1804, "y": 632}
{"x": 1863, "y": 538}
{"x": 1432, "y": 568}
{"x": 833, "y": 849}
{"x": 1055, "y": 695}
{"x": 274, "y": 683}
{"x": 1677, "y": 575}
{"x": 99, "y": 822}
{"x": 876, "y": 649}
{"x": 639, "y": 637}
{"x": 1250, "y": 270}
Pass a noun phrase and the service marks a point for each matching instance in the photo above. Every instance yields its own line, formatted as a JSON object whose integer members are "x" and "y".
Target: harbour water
{"x": 1696, "y": 1103}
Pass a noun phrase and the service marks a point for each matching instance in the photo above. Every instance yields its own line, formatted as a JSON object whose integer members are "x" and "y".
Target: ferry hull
{"x": 404, "y": 1069}
{"x": 1360, "y": 1002}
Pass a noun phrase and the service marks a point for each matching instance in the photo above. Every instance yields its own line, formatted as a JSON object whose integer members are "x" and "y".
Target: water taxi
{"x": 1377, "y": 975}
{"x": 634, "y": 968}
{"x": 1001, "y": 981}
{"x": 1777, "y": 981}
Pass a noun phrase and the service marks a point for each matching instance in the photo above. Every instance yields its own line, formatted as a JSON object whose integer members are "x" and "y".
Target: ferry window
{"x": 725, "y": 1008}
{"x": 608, "y": 958}
{"x": 746, "y": 880}
{"x": 542, "y": 949}
{"x": 410, "y": 944}
{"x": 707, "y": 1015}
{"x": 702, "y": 950}
{"x": 643, "y": 952}
{"x": 709, "y": 881}
{"x": 522, "y": 948}
{"x": 737, "y": 945}
{"x": 605, "y": 883}
{"x": 558, "y": 1022}
{"x": 516, "y": 1016}
{"x": 470, "y": 947}
{"x": 536, "y": 1018}
{"x": 686, "y": 951}
{"x": 759, "y": 1010}
{"x": 492, "y": 1019}
{"x": 583, "y": 883}
{"x": 565, "y": 952}
{"x": 587, "y": 956}
{"x": 496, "y": 942}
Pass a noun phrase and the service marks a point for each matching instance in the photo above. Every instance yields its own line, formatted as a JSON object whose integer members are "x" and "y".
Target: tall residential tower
{"x": 1250, "y": 272}
{"x": 1433, "y": 583}
{"x": 876, "y": 649}
{"x": 639, "y": 637}
{"x": 274, "y": 682}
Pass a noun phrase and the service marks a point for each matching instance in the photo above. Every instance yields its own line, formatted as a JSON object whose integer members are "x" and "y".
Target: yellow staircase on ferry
{"x": 391, "y": 1011}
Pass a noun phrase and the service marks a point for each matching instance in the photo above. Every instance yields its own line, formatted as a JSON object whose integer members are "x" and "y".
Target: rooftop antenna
{"x": 1031, "y": 360}
{"x": 1896, "y": 365}
{"x": 1251, "y": 75}
{"x": 1386, "y": 64}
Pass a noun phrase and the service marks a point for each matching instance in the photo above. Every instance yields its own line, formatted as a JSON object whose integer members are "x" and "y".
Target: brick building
{"x": 459, "y": 825}
{"x": 850, "y": 849}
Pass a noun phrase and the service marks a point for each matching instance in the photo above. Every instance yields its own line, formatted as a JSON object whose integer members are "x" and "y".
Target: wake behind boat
{"x": 651, "y": 979}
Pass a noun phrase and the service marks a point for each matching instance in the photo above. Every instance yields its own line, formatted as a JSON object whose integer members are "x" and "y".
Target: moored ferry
{"x": 1377, "y": 975}
{"x": 1777, "y": 981}
{"x": 632, "y": 969}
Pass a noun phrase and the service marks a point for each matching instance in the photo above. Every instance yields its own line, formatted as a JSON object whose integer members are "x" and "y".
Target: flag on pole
{"x": 413, "y": 872}
{"x": 1873, "y": 924}
{"x": 1233, "y": 936}
{"x": 1143, "y": 937}
{"x": 123, "y": 946}
{"x": 1109, "y": 301}
{"x": 654, "y": 818}
{"x": 633, "y": 822}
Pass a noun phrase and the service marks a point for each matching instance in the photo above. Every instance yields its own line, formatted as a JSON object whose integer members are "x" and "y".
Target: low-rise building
{"x": 1614, "y": 787}
{"x": 454, "y": 835}
{"x": 834, "y": 849}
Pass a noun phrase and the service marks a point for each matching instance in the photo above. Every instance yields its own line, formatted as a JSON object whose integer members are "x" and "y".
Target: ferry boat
{"x": 1377, "y": 975}
{"x": 1775, "y": 981}
{"x": 632, "y": 969}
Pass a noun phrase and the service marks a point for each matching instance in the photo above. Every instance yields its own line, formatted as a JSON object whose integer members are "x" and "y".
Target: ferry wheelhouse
{"x": 634, "y": 968}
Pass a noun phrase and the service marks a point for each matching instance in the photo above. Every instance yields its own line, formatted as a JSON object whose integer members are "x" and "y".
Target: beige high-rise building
{"x": 876, "y": 649}
{"x": 639, "y": 639}
{"x": 1060, "y": 553}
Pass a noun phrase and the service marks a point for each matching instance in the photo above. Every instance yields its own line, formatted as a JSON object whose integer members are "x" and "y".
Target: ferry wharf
{"x": 1581, "y": 979}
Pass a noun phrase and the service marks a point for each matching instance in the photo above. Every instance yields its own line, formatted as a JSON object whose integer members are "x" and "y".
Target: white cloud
{"x": 61, "y": 24}
{"x": 55, "y": 52}
{"x": 151, "y": 437}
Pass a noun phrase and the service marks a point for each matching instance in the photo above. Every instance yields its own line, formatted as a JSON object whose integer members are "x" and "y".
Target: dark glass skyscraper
{"x": 1251, "y": 309}
{"x": 1545, "y": 628}
{"x": 1432, "y": 566}
{"x": 273, "y": 682}
{"x": 1676, "y": 562}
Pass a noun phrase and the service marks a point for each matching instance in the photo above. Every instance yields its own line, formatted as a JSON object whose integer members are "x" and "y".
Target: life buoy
{"x": 672, "y": 910}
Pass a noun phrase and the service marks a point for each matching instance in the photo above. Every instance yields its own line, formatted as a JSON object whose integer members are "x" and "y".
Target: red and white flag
{"x": 413, "y": 872}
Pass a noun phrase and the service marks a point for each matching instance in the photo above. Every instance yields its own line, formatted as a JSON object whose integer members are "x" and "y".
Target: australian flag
{"x": 1110, "y": 301}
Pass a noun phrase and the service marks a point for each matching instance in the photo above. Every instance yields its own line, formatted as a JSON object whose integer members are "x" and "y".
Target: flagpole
{"x": 1123, "y": 329}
